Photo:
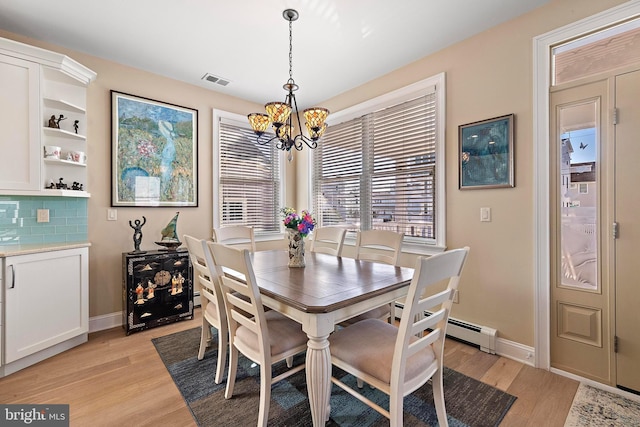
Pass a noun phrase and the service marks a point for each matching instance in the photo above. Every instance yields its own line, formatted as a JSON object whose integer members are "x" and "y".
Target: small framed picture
{"x": 486, "y": 153}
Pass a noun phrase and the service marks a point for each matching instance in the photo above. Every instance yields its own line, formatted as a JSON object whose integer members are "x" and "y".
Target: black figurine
{"x": 75, "y": 125}
{"x": 137, "y": 234}
{"x": 61, "y": 185}
{"x": 52, "y": 122}
{"x": 59, "y": 119}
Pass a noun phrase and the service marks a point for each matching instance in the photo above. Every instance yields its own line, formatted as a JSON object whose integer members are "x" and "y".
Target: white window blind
{"x": 377, "y": 171}
{"x": 249, "y": 179}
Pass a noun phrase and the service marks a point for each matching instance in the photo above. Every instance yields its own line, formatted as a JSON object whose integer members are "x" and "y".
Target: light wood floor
{"x": 119, "y": 380}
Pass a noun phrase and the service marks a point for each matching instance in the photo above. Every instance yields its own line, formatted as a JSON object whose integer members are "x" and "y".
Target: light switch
{"x": 112, "y": 214}
{"x": 485, "y": 214}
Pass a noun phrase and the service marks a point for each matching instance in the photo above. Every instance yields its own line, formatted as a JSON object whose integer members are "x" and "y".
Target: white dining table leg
{"x": 318, "y": 367}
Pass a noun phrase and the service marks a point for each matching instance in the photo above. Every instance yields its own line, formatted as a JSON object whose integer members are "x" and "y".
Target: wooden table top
{"x": 327, "y": 283}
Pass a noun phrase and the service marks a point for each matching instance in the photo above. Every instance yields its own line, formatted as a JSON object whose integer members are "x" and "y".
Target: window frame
{"x": 241, "y": 121}
{"x": 416, "y": 245}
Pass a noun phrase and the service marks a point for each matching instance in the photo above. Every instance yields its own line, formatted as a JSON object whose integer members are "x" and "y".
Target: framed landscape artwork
{"x": 154, "y": 152}
{"x": 486, "y": 153}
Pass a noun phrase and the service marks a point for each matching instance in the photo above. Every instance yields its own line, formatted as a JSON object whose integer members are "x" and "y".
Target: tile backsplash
{"x": 68, "y": 220}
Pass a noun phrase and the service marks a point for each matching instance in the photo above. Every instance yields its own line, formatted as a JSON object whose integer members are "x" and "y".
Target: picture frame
{"x": 486, "y": 153}
{"x": 154, "y": 152}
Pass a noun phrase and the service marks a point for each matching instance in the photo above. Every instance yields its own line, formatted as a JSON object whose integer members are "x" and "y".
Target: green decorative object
{"x": 170, "y": 235}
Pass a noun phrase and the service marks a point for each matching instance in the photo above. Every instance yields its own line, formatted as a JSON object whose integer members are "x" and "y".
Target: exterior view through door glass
{"x": 579, "y": 195}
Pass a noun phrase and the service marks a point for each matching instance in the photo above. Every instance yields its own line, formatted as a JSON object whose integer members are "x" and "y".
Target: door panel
{"x": 627, "y": 206}
{"x": 580, "y": 331}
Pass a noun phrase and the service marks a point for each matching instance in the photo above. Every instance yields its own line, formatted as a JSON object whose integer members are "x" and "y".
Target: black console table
{"x": 156, "y": 289}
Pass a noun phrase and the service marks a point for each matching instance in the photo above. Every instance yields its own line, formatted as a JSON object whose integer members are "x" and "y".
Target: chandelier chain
{"x": 290, "y": 50}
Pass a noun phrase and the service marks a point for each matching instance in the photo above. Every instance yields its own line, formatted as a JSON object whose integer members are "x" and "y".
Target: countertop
{"x": 12, "y": 250}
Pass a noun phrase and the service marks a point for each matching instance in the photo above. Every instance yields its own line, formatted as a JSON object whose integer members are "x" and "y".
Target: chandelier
{"x": 279, "y": 114}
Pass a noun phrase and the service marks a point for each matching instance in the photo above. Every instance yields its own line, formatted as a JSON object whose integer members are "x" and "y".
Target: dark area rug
{"x": 469, "y": 402}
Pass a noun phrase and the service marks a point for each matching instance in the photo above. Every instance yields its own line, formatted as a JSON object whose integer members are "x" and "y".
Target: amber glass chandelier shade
{"x": 315, "y": 133}
{"x": 284, "y": 132}
{"x": 315, "y": 117}
{"x": 259, "y": 122}
{"x": 278, "y": 112}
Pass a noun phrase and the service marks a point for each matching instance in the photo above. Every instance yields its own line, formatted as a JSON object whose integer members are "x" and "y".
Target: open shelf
{"x": 62, "y": 104}
{"x": 64, "y": 133}
{"x": 66, "y": 162}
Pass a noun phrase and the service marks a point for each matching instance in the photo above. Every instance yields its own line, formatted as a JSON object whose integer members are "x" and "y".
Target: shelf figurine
{"x": 75, "y": 125}
{"x": 59, "y": 119}
{"x": 52, "y": 122}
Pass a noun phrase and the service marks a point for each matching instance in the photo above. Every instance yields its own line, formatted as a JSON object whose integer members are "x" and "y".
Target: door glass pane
{"x": 578, "y": 191}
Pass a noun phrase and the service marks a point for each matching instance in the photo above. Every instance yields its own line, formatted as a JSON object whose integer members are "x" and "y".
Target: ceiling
{"x": 337, "y": 44}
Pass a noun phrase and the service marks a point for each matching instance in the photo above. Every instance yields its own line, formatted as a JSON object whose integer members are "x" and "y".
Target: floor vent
{"x": 480, "y": 336}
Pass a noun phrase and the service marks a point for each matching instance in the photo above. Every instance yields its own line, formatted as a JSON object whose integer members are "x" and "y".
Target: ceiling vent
{"x": 215, "y": 79}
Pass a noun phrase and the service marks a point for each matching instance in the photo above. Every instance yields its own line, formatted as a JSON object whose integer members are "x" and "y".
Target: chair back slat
{"x": 423, "y": 342}
{"x": 429, "y": 322}
{"x": 328, "y": 240}
{"x": 238, "y": 236}
{"x": 379, "y": 246}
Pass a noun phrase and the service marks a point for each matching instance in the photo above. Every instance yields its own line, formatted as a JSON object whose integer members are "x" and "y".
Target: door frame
{"x": 541, "y": 83}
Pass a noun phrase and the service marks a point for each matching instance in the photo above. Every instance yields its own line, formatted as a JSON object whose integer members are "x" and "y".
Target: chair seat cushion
{"x": 368, "y": 346}
{"x": 212, "y": 311}
{"x": 284, "y": 334}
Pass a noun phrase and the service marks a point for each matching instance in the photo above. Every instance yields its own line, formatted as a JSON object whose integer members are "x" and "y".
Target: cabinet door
{"x": 46, "y": 300}
{"x": 20, "y": 124}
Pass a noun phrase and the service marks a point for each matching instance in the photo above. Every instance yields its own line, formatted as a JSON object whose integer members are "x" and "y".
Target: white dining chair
{"x": 328, "y": 240}
{"x": 265, "y": 337}
{"x": 239, "y": 236}
{"x": 378, "y": 246}
{"x": 399, "y": 360}
{"x": 211, "y": 300}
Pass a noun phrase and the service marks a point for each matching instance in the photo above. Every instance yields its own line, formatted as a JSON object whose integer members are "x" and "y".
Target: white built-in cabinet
{"x": 35, "y": 85}
{"x": 45, "y": 299}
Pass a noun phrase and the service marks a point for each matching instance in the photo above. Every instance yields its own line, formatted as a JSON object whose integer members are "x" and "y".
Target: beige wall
{"x": 488, "y": 75}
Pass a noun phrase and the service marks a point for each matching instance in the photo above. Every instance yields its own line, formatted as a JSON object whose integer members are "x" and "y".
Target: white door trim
{"x": 541, "y": 85}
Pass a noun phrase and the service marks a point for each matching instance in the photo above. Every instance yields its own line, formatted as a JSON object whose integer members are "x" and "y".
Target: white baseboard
{"x": 105, "y": 321}
{"x": 516, "y": 351}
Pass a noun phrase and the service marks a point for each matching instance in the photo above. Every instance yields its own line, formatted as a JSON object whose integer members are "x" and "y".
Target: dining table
{"x": 327, "y": 291}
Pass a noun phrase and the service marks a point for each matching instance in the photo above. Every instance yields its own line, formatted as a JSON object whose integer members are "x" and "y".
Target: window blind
{"x": 377, "y": 171}
{"x": 249, "y": 184}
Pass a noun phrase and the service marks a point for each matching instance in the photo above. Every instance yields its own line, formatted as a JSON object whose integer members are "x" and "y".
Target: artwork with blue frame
{"x": 154, "y": 152}
{"x": 486, "y": 153}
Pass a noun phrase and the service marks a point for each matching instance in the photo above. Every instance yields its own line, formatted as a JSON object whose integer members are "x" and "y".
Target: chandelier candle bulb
{"x": 279, "y": 114}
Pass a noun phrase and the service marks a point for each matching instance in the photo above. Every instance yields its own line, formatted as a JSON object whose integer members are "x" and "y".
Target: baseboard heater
{"x": 481, "y": 336}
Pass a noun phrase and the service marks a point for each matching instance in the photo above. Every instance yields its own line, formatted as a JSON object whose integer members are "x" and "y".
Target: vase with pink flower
{"x": 298, "y": 227}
